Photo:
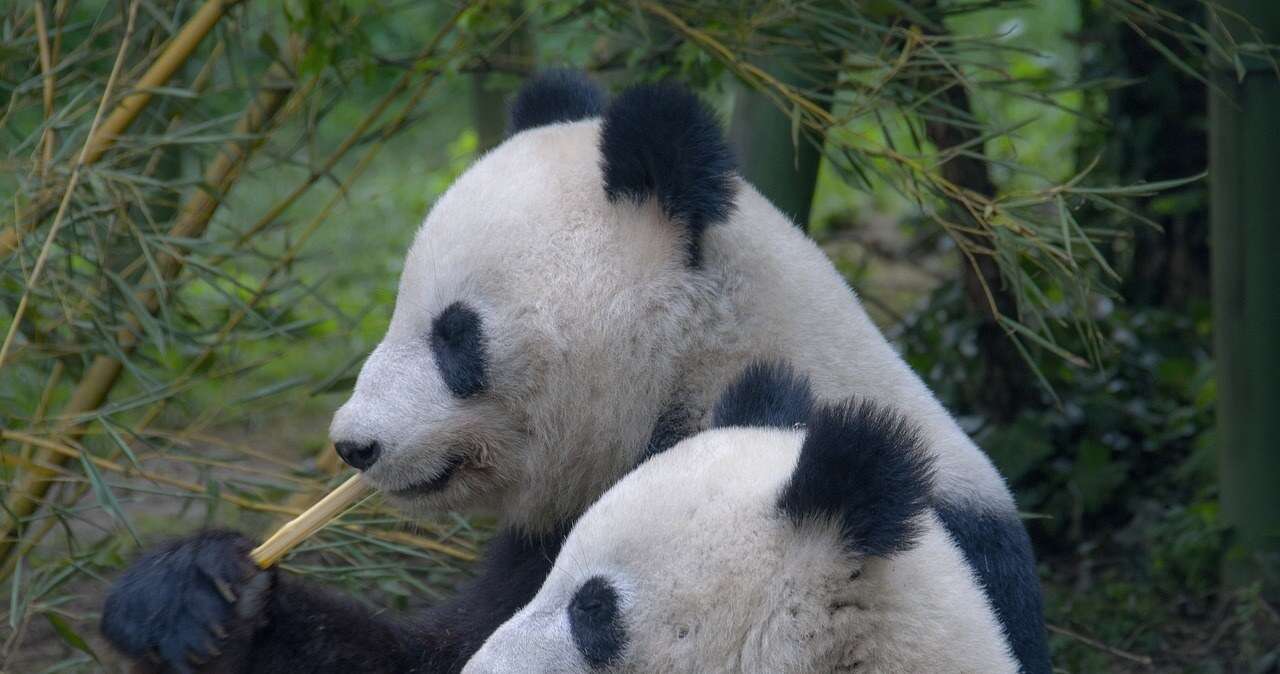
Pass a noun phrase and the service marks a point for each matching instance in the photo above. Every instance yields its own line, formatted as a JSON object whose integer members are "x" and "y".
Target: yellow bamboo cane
{"x": 310, "y": 521}
{"x": 172, "y": 58}
{"x": 191, "y": 223}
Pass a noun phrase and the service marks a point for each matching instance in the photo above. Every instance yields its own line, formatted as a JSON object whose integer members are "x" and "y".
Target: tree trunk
{"x": 1244, "y": 161}
{"x": 494, "y": 84}
{"x": 1155, "y": 131}
{"x": 1005, "y": 385}
{"x": 782, "y": 165}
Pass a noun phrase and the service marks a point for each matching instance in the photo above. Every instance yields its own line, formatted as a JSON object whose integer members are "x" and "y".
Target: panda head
{"x": 750, "y": 547}
{"x": 541, "y": 304}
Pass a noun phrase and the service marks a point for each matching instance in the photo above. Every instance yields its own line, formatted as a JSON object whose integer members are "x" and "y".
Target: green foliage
{"x": 229, "y": 365}
{"x": 221, "y": 406}
{"x": 1115, "y": 476}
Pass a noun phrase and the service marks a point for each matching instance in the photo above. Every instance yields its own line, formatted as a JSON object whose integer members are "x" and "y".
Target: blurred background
{"x": 204, "y": 206}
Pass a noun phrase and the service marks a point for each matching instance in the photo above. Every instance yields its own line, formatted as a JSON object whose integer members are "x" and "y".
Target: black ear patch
{"x": 660, "y": 140}
{"x": 555, "y": 96}
{"x": 767, "y": 393}
{"x": 866, "y": 467}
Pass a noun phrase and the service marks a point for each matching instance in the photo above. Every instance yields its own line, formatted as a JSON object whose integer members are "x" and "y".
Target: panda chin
{"x": 433, "y": 486}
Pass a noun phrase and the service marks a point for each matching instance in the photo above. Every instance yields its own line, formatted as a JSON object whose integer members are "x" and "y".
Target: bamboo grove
{"x": 137, "y": 292}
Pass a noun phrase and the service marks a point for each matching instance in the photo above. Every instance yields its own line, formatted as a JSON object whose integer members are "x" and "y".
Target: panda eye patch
{"x": 595, "y": 619}
{"x": 458, "y": 344}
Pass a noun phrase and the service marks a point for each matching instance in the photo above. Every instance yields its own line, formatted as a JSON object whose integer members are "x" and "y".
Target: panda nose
{"x": 359, "y": 455}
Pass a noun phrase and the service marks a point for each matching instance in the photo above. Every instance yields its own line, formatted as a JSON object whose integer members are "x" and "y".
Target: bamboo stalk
{"x": 172, "y": 58}
{"x": 283, "y": 261}
{"x": 105, "y": 371}
{"x": 312, "y": 520}
{"x": 101, "y": 137}
{"x": 106, "y": 380}
{"x": 352, "y": 138}
{"x": 50, "y": 384}
{"x": 191, "y": 223}
{"x": 198, "y": 86}
{"x": 332, "y": 160}
{"x": 43, "y": 257}
{"x": 46, "y": 73}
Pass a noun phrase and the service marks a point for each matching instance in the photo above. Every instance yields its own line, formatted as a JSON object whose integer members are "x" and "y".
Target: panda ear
{"x": 660, "y": 140}
{"x": 555, "y": 96}
{"x": 767, "y": 393}
{"x": 865, "y": 468}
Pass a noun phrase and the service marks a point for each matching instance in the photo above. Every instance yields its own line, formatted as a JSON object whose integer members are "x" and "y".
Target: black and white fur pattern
{"x": 572, "y": 303}
{"x": 805, "y": 549}
{"x": 616, "y": 300}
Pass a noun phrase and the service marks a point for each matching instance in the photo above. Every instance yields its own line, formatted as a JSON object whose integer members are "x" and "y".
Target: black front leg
{"x": 510, "y": 575}
{"x": 307, "y": 628}
{"x": 201, "y": 605}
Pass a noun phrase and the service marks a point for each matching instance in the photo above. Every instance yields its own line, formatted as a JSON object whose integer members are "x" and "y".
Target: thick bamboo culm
{"x": 172, "y": 58}
{"x": 177, "y": 53}
{"x": 312, "y": 520}
{"x": 105, "y": 370}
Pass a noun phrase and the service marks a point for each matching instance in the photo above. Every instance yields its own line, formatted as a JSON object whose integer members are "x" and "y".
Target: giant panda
{"x": 790, "y": 538}
{"x": 578, "y": 297}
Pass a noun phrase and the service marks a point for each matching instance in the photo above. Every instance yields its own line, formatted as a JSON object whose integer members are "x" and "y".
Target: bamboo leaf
{"x": 69, "y": 635}
{"x": 140, "y": 312}
{"x": 109, "y": 429}
{"x": 272, "y": 389}
{"x": 106, "y": 498}
{"x": 1140, "y": 189}
{"x": 1042, "y": 341}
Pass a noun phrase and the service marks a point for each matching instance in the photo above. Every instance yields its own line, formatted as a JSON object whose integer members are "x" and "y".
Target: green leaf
{"x": 149, "y": 324}
{"x": 1096, "y": 474}
{"x": 1140, "y": 189}
{"x": 272, "y": 389}
{"x": 119, "y": 441}
{"x": 267, "y": 43}
{"x": 1042, "y": 341}
{"x": 106, "y": 498}
{"x": 68, "y": 635}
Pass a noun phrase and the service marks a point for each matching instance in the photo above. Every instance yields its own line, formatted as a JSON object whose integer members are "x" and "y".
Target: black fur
{"x": 996, "y": 545}
{"x": 514, "y": 567}
{"x": 865, "y": 467}
{"x": 167, "y": 611}
{"x": 555, "y": 96}
{"x": 767, "y": 393}
{"x": 457, "y": 341}
{"x": 307, "y": 628}
{"x": 673, "y": 425}
{"x": 595, "y": 620}
{"x": 660, "y": 140}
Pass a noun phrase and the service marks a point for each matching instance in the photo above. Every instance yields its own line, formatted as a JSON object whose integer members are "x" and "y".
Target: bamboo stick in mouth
{"x": 313, "y": 519}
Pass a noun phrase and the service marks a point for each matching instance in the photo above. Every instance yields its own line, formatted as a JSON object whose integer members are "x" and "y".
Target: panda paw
{"x": 179, "y": 606}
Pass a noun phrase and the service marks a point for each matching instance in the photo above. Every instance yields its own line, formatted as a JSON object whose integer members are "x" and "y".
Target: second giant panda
{"x": 797, "y": 539}
{"x": 578, "y": 297}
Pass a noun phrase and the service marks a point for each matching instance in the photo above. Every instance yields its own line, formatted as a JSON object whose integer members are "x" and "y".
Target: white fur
{"x": 714, "y": 578}
{"x": 595, "y": 324}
